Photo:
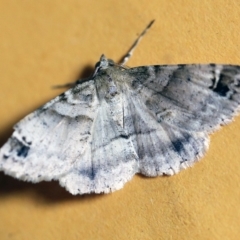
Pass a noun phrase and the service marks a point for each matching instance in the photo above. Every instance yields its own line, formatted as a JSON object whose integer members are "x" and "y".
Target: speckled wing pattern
{"x": 152, "y": 120}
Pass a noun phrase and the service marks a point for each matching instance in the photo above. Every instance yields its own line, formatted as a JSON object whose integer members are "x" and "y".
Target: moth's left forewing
{"x": 43, "y": 145}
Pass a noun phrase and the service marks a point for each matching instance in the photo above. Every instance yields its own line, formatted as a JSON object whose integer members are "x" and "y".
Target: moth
{"x": 153, "y": 120}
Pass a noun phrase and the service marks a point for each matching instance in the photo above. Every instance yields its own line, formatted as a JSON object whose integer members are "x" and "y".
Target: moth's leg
{"x": 72, "y": 84}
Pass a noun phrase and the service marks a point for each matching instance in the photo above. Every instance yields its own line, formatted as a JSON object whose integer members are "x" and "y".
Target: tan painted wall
{"x": 44, "y": 43}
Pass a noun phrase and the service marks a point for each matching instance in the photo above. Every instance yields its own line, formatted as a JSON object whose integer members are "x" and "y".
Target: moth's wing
{"x": 113, "y": 159}
{"x": 176, "y": 108}
{"x": 73, "y": 139}
{"x": 46, "y": 143}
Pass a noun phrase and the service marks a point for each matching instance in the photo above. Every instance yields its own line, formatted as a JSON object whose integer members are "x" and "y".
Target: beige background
{"x": 44, "y": 43}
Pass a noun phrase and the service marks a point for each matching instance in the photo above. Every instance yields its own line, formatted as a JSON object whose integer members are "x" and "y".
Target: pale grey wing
{"x": 74, "y": 139}
{"x": 46, "y": 144}
{"x": 160, "y": 147}
{"x": 191, "y": 97}
{"x": 176, "y": 107}
{"x": 113, "y": 158}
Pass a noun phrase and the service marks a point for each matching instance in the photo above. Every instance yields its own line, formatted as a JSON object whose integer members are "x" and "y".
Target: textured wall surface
{"x": 46, "y": 43}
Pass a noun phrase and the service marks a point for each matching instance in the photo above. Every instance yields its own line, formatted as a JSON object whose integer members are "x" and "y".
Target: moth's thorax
{"x": 109, "y": 81}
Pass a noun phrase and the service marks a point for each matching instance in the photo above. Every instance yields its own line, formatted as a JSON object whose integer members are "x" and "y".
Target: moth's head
{"x": 104, "y": 63}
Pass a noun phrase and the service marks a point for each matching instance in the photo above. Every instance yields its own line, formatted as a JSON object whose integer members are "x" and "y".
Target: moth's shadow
{"x": 46, "y": 191}
{"x": 86, "y": 72}
{"x": 6, "y": 133}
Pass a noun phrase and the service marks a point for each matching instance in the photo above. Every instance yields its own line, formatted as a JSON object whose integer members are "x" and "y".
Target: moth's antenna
{"x": 130, "y": 51}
